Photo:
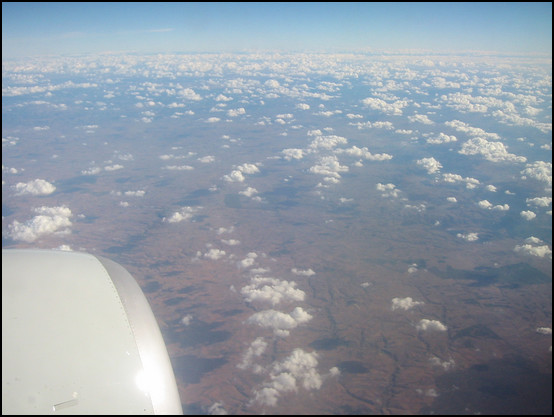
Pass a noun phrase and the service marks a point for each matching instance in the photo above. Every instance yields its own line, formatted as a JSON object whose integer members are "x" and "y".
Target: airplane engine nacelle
{"x": 79, "y": 337}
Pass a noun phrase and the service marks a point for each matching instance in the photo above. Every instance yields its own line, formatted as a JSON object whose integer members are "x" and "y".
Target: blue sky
{"x": 74, "y": 28}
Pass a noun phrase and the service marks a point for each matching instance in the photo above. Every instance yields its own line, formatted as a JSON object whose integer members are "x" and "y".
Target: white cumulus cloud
{"x": 539, "y": 201}
{"x": 280, "y": 323}
{"x": 421, "y": 118}
{"x": 446, "y": 365}
{"x": 256, "y": 349}
{"x": 216, "y": 409}
{"x": 365, "y": 153}
{"x": 247, "y": 168}
{"x": 533, "y": 247}
{"x": 272, "y": 290}
{"x": 544, "y": 330}
{"x": 470, "y": 237}
{"x": 442, "y": 138}
{"x": 329, "y": 166}
{"x": 454, "y": 178}
{"x": 298, "y": 369}
{"x": 388, "y": 190}
{"x": 394, "y": 108}
{"x": 249, "y": 260}
{"x": 185, "y": 213}
{"x": 528, "y": 214}
{"x": 214, "y": 254}
{"x": 304, "y": 272}
{"x": 189, "y": 94}
{"x": 34, "y": 187}
{"x": 539, "y": 170}
{"x": 236, "y": 112}
{"x": 327, "y": 142}
{"x": 292, "y": 153}
{"x": 491, "y": 151}
{"x": 234, "y": 176}
{"x": 426, "y": 324}
{"x": 48, "y": 220}
{"x": 249, "y": 192}
{"x": 221, "y": 97}
{"x": 429, "y": 164}
{"x": 206, "y": 159}
{"x": 486, "y": 204}
{"x": 404, "y": 303}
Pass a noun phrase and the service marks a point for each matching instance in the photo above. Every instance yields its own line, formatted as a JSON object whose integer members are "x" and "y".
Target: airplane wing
{"x": 79, "y": 337}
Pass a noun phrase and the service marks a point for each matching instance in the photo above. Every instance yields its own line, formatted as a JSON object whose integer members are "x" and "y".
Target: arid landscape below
{"x": 315, "y": 233}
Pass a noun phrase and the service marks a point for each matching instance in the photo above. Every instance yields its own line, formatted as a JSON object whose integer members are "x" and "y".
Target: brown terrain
{"x": 364, "y": 252}
{"x": 490, "y": 360}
